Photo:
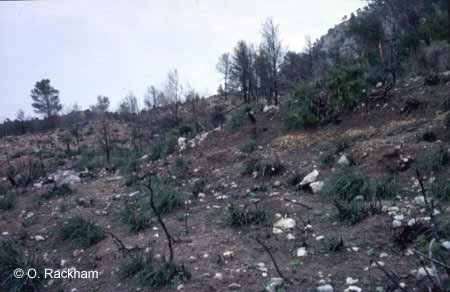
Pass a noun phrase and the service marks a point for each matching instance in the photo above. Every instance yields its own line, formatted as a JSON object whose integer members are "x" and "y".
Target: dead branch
{"x": 391, "y": 275}
{"x": 160, "y": 220}
{"x": 429, "y": 205}
{"x": 297, "y": 203}
{"x": 273, "y": 260}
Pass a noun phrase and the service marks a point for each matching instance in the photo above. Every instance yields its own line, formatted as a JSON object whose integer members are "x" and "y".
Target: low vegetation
{"x": 80, "y": 232}
{"x": 13, "y": 256}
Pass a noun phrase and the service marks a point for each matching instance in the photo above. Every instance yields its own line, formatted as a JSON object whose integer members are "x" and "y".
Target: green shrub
{"x": 136, "y": 216}
{"x": 167, "y": 198}
{"x": 58, "y": 191}
{"x": 7, "y": 200}
{"x": 13, "y": 256}
{"x": 345, "y": 86}
{"x": 239, "y": 217}
{"x": 440, "y": 189}
{"x": 249, "y": 166}
{"x": 248, "y": 146}
{"x": 302, "y": 109}
{"x": 151, "y": 273}
{"x": 433, "y": 160}
{"x": 238, "y": 119}
{"x": 351, "y": 193}
{"x": 80, "y": 232}
{"x": 88, "y": 159}
{"x": 327, "y": 159}
{"x": 387, "y": 188}
{"x": 346, "y": 184}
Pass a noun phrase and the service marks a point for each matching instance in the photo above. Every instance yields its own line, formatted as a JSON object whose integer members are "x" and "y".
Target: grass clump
{"x": 80, "y": 232}
{"x": 440, "y": 189}
{"x": 135, "y": 216}
{"x": 238, "y": 119}
{"x": 152, "y": 273}
{"x": 351, "y": 193}
{"x": 248, "y": 146}
{"x": 249, "y": 166}
{"x": 13, "y": 256}
{"x": 346, "y": 184}
{"x": 387, "y": 188}
{"x": 433, "y": 160}
{"x": 240, "y": 217}
{"x": 58, "y": 191}
{"x": 167, "y": 197}
{"x": 7, "y": 200}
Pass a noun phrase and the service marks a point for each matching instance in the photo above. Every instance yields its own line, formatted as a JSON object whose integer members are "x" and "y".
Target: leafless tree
{"x": 129, "y": 104}
{"x": 224, "y": 67}
{"x": 172, "y": 93}
{"x": 272, "y": 48}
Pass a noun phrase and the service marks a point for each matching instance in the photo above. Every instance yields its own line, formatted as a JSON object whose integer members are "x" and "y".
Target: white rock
{"x": 39, "y": 238}
{"x": 218, "y": 276}
{"x": 316, "y": 187}
{"x": 383, "y": 255}
{"x": 320, "y": 237}
{"x": 133, "y": 194}
{"x": 411, "y": 222}
{"x": 277, "y": 183}
{"x": 182, "y": 143}
{"x": 310, "y": 178}
{"x": 269, "y": 108}
{"x": 353, "y": 289}
{"x": 422, "y": 273}
{"x": 420, "y": 200}
{"x": 283, "y": 224}
{"x": 302, "y": 252}
{"x": 446, "y": 245}
{"x": 290, "y": 236}
{"x": 344, "y": 161}
{"x": 325, "y": 288}
{"x": 228, "y": 254}
{"x": 396, "y": 224}
{"x": 379, "y": 85}
{"x": 351, "y": 281}
{"x": 274, "y": 284}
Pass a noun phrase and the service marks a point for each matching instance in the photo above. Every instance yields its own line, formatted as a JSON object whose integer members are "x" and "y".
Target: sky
{"x": 96, "y": 47}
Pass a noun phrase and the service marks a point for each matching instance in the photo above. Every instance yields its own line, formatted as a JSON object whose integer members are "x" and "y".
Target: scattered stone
{"x": 302, "y": 252}
{"x": 283, "y": 224}
{"x": 351, "y": 281}
{"x": 277, "y": 184}
{"x": 446, "y": 245}
{"x": 39, "y": 238}
{"x": 310, "y": 178}
{"x": 234, "y": 286}
{"x": 290, "y": 236}
{"x": 344, "y": 161}
{"x": 396, "y": 224}
{"x": 218, "y": 276}
{"x": 422, "y": 273}
{"x": 325, "y": 288}
{"x": 270, "y": 108}
{"x": 316, "y": 187}
{"x": 228, "y": 254}
{"x": 353, "y": 289}
{"x": 420, "y": 200}
{"x": 274, "y": 284}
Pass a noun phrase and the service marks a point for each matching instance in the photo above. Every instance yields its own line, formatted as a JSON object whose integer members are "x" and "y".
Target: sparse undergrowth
{"x": 240, "y": 217}
{"x": 13, "y": 256}
{"x": 152, "y": 273}
{"x": 351, "y": 193}
{"x": 80, "y": 232}
{"x": 58, "y": 191}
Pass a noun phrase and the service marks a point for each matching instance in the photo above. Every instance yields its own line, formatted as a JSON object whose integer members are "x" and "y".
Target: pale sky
{"x": 92, "y": 47}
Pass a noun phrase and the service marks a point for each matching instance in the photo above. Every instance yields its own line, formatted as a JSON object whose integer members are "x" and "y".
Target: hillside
{"x": 235, "y": 193}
